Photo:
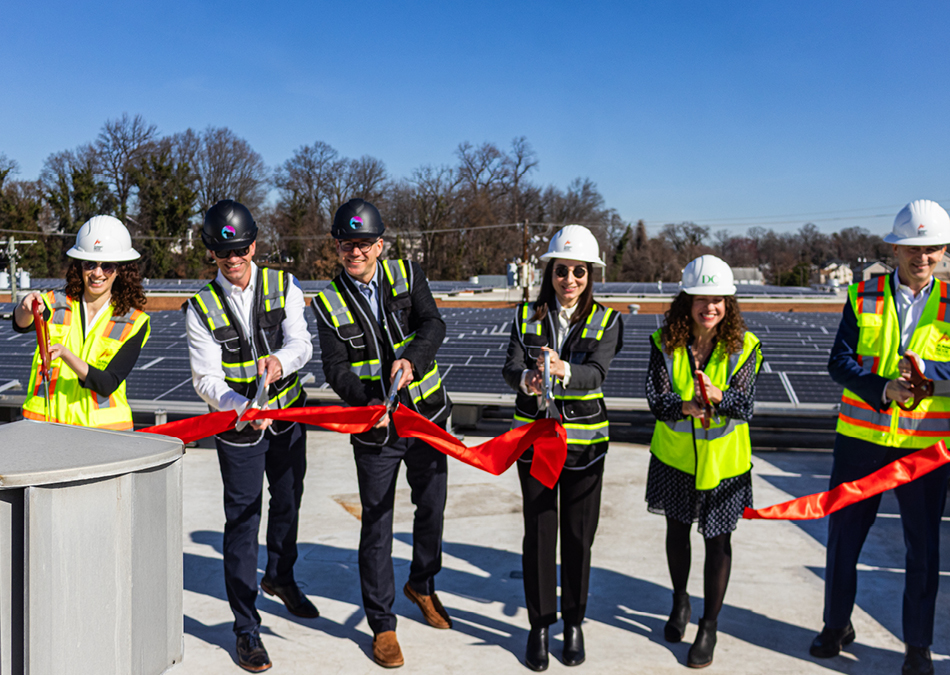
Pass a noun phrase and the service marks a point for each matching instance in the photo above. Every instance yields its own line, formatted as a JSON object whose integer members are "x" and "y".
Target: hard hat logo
{"x": 921, "y": 230}
{"x": 356, "y": 222}
{"x": 710, "y": 279}
{"x": 228, "y": 232}
{"x": 97, "y": 245}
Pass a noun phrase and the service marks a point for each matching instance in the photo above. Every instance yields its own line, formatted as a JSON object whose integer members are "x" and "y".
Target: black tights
{"x": 715, "y": 572}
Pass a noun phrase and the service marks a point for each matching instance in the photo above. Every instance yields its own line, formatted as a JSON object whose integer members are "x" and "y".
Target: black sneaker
{"x": 251, "y": 653}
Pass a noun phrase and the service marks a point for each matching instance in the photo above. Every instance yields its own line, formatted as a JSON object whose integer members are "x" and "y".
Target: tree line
{"x": 458, "y": 220}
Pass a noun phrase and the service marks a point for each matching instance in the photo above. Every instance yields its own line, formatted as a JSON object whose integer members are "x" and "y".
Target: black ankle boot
{"x": 536, "y": 655}
{"x": 679, "y": 618}
{"x": 701, "y": 653}
{"x": 573, "y": 645}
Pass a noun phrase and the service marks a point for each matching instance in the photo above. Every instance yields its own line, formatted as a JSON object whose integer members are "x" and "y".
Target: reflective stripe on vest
{"x": 332, "y": 300}
{"x": 722, "y": 451}
{"x": 529, "y": 327}
{"x": 366, "y": 370}
{"x": 596, "y": 323}
{"x": 240, "y": 372}
{"x": 429, "y": 383}
{"x": 212, "y": 309}
{"x": 273, "y": 290}
{"x": 878, "y": 351}
{"x": 398, "y": 278}
{"x": 587, "y": 434}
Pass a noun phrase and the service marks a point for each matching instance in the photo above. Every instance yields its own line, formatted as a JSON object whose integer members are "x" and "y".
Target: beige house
{"x": 748, "y": 275}
{"x": 873, "y": 269}
{"x": 834, "y": 273}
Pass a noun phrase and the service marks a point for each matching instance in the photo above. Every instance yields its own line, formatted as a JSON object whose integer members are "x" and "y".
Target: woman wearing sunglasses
{"x": 96, "y": 328}
{"x": 700, "y": 386}
{"x": 581, "y": 338}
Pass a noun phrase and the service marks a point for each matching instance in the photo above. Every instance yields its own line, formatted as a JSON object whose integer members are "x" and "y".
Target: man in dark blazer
{"x": 376, "y": 319}
{"x": 887, "y": 321}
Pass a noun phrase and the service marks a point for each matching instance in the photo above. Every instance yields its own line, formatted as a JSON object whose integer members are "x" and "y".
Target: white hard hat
{"x": 708, "y": 275}
{"x": 574, "y": 242}
{"x": 103, "y": 239}
{"x": 920, "y": 223}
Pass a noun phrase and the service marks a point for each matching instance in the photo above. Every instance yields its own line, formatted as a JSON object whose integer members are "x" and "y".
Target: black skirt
{"x": 673, "y": 493}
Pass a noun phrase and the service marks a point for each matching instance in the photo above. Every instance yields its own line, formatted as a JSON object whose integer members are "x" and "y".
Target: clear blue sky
{"x": 715, "y": 112}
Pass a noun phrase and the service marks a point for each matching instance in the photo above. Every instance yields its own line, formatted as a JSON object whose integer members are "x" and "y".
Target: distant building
{"x": 873, "y": 269}
{"x": 943, "y": 269}
{"x": 833, "y": 273}
{"x": 748, "y": 275}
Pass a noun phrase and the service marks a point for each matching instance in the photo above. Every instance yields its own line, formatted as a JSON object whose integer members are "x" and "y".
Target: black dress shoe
{"x": 830, "y": 641}
{"x": 251, "y": 653}
{"x": 536, "y": 655}
{"x": 292, "y": 597}
{"x": 573, "y": 654}
{"x": 917, "y": 661}
{"x": 679, "y": 618}
{"x": 701, "y": 653}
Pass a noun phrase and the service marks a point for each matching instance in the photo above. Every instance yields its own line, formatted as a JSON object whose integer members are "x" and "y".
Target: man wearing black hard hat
{"x": 378, "y": 318}
{"x": 246, "y": 330}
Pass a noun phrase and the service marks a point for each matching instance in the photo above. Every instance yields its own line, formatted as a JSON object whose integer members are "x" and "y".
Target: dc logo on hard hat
{"x": 710, "y": 279}
{"x": 356, "y": 223}
{"x": 228, "y": 231}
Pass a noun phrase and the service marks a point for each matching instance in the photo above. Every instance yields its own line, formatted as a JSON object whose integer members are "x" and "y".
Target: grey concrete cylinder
{"x": 90, "y": 550}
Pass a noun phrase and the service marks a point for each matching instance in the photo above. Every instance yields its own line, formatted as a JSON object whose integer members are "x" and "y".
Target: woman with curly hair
{"x": 96, "y": 327}
{"x": 701, "y": 386}
{"x": 581, "y": 337}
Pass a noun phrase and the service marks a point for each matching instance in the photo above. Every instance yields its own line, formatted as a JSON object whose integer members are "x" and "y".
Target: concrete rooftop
{"x": 773, "y": 606}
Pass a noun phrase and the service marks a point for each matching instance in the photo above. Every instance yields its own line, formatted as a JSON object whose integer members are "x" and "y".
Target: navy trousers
{"x": 283, "y": 459}
{"x": 921, "y": 505}
{"x": 376, "y": 471}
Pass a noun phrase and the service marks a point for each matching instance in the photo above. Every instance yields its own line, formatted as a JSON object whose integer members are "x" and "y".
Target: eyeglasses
{"x": 562, "y": 270}
{"x": 363, "y": 245}
{"x": 239, "y": 252}
{"x": 107, "y": 267}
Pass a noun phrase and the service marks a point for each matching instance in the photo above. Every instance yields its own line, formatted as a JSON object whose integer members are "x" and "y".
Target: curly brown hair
{"x": 678, "y": 325}
{"x": 547, "y": 295}
{"x": 127, "y": 289}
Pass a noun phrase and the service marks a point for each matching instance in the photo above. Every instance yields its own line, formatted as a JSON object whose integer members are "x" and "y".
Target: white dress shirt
{"x": 204, "y": 353}
{"x": 909, "y": 307}
{"x": 562, "y": 327}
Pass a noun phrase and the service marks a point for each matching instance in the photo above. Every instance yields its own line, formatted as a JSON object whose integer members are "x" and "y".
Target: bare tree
{"x": 121, "y": 145}
{"x": 228, "y": 168}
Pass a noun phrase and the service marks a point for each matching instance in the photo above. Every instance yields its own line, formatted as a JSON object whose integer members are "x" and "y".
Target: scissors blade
{"x": 392, "y": 399}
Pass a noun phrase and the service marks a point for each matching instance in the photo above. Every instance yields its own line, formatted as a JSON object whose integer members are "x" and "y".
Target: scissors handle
{"x": 921, "y": 387}
{"x": 42, "y": 337}
{"x": 707, "y": 405}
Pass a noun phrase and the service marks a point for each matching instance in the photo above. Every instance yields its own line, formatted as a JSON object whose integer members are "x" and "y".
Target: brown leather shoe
{"x": 386, "y": 651}
{"x": 432, "y": 610}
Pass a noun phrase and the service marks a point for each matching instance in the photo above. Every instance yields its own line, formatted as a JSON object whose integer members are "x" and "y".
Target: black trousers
{"x": 580, "y": 512}
{"x": 376, "y": 471}
{"x": 921, "y": 505}
{"x": 283, "y": 459}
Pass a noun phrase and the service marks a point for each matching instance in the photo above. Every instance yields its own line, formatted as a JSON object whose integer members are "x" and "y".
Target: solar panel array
{"x": 796, "y": 348}
{"x": 668, "y": 288}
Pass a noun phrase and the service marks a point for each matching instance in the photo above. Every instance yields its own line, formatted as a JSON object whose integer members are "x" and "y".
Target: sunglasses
{"x": 107, "y": 267}
{"x": 562, "y": 270}
{"x": 239, "y": 252}
{"x": 363, "y": 245}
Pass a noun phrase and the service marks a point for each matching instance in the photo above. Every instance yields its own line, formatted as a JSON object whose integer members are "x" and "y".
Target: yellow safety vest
{"x": 724, "y": 449}
{"x": 878, "y": 351}
{"x": 70, "y": 402}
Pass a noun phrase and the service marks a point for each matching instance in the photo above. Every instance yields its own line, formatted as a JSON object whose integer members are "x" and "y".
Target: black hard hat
{"x": 228, "y": 225}
{"x": 357, "y": 220}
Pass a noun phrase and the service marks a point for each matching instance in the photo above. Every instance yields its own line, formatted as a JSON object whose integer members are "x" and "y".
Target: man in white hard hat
{"x": 886, "y": 322}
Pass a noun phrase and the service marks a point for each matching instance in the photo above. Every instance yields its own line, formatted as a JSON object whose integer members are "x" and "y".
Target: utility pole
{"x": 525, "y": 278}
{"x": 11, "y": 256}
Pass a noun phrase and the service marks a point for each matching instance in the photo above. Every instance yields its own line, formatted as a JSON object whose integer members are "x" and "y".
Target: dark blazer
{"x": 418, "y": 314}
{"x": 588, "y": 371}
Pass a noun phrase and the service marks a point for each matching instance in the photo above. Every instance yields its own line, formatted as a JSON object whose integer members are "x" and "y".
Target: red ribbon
{"x": 494, "y": 456}
{"x": 895, "y": 474}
